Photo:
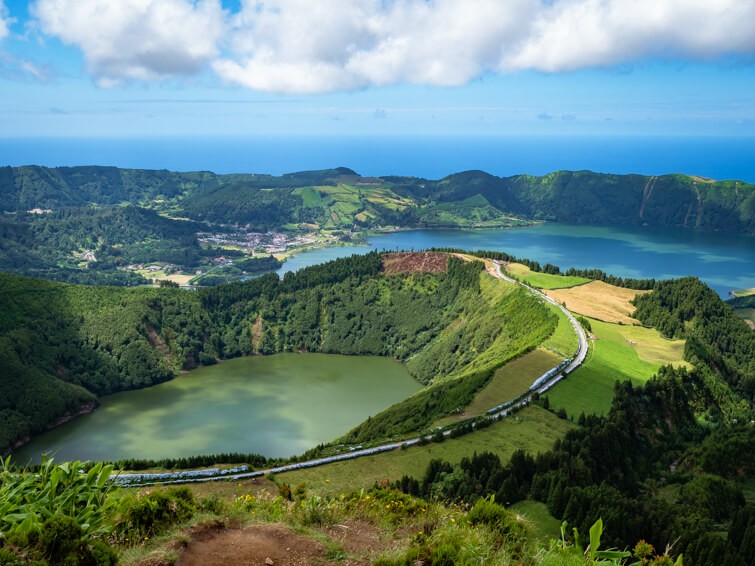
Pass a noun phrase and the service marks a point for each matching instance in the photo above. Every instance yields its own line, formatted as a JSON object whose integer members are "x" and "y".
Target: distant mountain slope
{"x": 339, "y": 198}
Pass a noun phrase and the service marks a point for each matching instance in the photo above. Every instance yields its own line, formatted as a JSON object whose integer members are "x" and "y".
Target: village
{"x": 265, "y": 242}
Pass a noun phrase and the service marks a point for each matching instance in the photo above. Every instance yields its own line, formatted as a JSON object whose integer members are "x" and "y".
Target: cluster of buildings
{"x": 262, "y": 242}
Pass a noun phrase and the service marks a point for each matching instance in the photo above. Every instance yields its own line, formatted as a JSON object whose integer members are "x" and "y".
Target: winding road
{"x": 189, "y": 477}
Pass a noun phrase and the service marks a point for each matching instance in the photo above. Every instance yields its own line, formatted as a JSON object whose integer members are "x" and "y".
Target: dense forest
{"x": 670, "y": 461}
{"x": 64, "y": 345}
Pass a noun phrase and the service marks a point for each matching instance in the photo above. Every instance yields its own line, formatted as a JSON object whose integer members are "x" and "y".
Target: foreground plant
{"x": 59, "y": 514}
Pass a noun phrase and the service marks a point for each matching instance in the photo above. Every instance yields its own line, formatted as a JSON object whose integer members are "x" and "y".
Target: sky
{"x": 151, "y": 68}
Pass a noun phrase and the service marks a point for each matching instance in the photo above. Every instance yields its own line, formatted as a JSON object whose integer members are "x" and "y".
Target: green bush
{"x": 152, "y": 513}
{"x": 496, "y": 517}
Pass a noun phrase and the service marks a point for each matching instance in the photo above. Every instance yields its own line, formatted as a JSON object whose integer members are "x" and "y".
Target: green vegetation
{"x": 88, "y": 245}
{"x": 564, "y": 340}
{"x": 543, "y": 526}
{"x": 110, "y": 213}
{"x": 251, "y": 266}
{"x": 619, "y": 353}
{"x": 72, "y": 343}
{"x": 667, "y": 462}
{"x": 717, "y": 339}
{"x": 543, "y": 280}
{"x": 744, "y": 307}
{"x": 512, "y": 380}
{"x": 384, "y": 526}
{"x": 534, "y": 430}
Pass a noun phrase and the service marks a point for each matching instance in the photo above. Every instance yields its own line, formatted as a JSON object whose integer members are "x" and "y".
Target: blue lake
{"x": 724, "y": 261}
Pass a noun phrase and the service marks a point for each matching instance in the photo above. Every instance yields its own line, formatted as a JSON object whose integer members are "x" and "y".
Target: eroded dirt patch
{"x": 358, "y": 537}
{"x": 401, "y": 262}
{"x": 258, "y": 545}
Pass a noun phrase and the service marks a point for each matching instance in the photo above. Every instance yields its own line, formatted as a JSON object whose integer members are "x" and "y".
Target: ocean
{"x": 431, "y": 157}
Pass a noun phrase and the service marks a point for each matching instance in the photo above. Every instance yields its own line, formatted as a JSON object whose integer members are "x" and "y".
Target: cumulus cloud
{"x": 136, "y": 39}
{"x": 298, "y": 46}
{"x": 307, "y": 46}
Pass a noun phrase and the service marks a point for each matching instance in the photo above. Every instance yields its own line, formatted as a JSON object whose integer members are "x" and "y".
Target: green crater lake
{"x": 277, "y": 405}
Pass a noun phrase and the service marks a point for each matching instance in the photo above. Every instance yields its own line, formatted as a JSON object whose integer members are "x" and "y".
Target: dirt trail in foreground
{"x": 276, "y": 545}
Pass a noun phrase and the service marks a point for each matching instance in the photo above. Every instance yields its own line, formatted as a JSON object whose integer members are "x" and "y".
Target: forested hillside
{"x": 63, "y": 345}
{"x": 52, "y": 245}
{"x": 341, "y": 198}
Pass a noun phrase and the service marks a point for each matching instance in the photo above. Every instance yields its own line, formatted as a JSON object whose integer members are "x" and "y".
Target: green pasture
{"x": 619, "y": 353}
{"x": 532, "y": 429}
{"x": 543, "y": 280}
{"x": 648, "y": 342}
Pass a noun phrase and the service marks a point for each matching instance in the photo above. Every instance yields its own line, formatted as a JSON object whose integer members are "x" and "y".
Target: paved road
{"x": 579, "y": 358}
{"x": 496, "y": 272}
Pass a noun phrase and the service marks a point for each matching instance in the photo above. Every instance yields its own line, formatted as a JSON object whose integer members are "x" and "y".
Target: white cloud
{"x": 573, "y": 34}
{"x": 136, "y": 39}
{"x": 313, "y": 46}
{"x": 300, "y": 46}
{"x": 5, "y": 21}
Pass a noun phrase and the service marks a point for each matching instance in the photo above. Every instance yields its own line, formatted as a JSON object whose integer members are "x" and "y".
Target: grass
{"x": 532, "y": 429}
{"x": 619, "y": 353}
{"x": 543, "y": 280}
{"x": 310, "y": 197}
{"x": 748, "y": 490}
{"x": 512, "y": 380}
{"x": 649, "y": 344}
{"x": 744, "y": 292}
{"x": 564, "y": 339}
{"x": 599, "y": 300}
{"x": 544, "y": 525}
{"x": 747, "y": 314}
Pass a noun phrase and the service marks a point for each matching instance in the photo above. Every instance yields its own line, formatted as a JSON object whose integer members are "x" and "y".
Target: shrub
{"x": 154, "y": 512}
{"x": 495, "y": 516}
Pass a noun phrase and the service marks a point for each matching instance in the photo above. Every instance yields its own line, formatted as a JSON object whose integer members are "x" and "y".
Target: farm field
{"x": 649, "y": 344}
{"x": 617, "y": 353}
{"x": 543, "y": 280}
{"x": 599, "y": 300}
{"x": 533, "y": 429}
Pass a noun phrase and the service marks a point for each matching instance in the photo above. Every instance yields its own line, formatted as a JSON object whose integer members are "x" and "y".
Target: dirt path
{"x": 277, "y": 545}
{"x": 259, "y": 545}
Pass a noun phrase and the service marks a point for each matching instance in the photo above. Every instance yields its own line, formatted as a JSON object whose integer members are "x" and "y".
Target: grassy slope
{"x": 620, "y": 352}
{"x": 533, "y": 429}
{"x": 544, "y": 525}
{"x": 564, "y": 339}
{"x": 543, "y": 280}
{"x": 512, "y": 380}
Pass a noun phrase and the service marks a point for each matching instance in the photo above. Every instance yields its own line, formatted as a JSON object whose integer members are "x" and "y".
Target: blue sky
{"x": 148, "y": 68}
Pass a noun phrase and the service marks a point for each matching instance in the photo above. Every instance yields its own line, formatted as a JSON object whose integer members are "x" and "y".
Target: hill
{"x": 63, "y": 345}
{"x": 341, "y": 198}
